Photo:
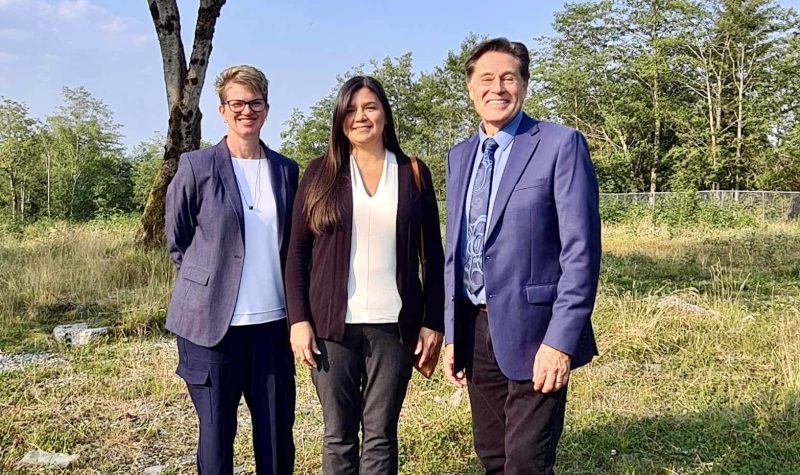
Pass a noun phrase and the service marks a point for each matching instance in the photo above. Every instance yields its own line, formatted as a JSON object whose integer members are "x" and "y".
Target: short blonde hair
{"x": 243, "y": 74}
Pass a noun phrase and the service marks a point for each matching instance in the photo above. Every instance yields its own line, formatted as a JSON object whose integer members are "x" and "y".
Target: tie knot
{"x": 489, "y": 146}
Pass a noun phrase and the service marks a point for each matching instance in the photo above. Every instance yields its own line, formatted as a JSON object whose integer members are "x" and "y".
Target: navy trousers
{"x": 254, "y": 360}
{"x": 515, "y": 430}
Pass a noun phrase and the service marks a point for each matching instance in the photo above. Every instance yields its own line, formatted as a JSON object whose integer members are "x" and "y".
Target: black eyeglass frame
{"x": 260, "y": 108}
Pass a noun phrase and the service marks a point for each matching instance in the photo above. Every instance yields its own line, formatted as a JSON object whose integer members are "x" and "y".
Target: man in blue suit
{"x": 522, "y": 260}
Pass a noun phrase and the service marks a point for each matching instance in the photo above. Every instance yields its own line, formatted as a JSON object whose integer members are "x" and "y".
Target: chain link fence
{"x": 765, "y": 205}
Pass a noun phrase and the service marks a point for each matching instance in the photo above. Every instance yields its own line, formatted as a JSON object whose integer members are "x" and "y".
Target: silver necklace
{"x": 257, "y": 192}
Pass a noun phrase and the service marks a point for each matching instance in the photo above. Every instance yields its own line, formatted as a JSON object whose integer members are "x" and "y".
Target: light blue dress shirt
{"x": 504, "y": 139}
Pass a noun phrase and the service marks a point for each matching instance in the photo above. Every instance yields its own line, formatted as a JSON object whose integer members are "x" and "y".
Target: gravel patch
{"x": 10, "y": 361}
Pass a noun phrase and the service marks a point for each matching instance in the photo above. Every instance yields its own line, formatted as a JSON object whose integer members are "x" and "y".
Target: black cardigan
{"x": 317, "y": 267}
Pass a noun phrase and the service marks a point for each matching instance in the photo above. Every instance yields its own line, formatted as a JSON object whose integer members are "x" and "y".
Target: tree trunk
{"x": 22, "y": 202}
{"x": 47, "y": 165}
{"x": 739, "y": 121}
{"x": 13, "y": 184}
{"x": 183, "y": 85}
{"x": 656, "y": 141}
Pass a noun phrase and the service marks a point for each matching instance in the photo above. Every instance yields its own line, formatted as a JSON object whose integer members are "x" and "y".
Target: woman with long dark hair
{"x": 360, "y": 317}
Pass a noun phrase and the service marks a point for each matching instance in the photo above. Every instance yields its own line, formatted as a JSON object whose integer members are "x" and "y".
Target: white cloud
{"x": 115, "y": 25}
{"x": 15, "y": 34}
{"x": 72, "y": 9}
{"x": 6, "y": 58}
{"x": 8, "y": 3}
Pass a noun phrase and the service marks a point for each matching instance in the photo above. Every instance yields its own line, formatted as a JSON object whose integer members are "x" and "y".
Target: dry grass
{"x": 672, "y": 392}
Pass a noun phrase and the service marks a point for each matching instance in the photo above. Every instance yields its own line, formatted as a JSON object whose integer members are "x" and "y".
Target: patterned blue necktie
{"x": 477, "y": 223}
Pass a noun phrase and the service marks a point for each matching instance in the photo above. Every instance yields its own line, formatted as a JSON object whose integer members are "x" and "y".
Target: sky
{"x": 110, "y": 47}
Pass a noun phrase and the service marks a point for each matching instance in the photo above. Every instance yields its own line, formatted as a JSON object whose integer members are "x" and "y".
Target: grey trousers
{"x": 361, "y": 383}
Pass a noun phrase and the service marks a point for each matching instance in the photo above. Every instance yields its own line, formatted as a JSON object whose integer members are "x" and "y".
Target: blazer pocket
{"x": 197, "y": 275}
{"x": 524, "y": 184}
{"x": 540, "y": 294}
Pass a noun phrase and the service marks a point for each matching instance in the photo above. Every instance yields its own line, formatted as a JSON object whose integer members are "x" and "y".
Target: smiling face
{"x": 245, "y": 123}
{"x": 497, "y": 89}
{"x": 364, "y": 120}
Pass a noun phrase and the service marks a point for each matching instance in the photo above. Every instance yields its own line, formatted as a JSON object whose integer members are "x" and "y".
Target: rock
{"x": 40, "y": 458}
{"x": 455, "y": 398}
{"x": 65, "y": 333}
{"x": 677, "y": 303}
{"x": 77, "y": 334}
{"x": 453, "y": 401}
{"x": 88, "y": 335}
{"x": 154, "y": 470}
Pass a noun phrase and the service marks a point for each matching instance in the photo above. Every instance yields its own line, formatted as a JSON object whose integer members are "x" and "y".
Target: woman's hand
{"x": 304, "y": 343}
{"x": 428, "y": 342}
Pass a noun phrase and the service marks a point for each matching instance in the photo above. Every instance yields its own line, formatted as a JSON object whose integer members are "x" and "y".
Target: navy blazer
{"x": 541, "y": 253}
{"x": 319, "y": 266}
{"x": 204, "y": 226}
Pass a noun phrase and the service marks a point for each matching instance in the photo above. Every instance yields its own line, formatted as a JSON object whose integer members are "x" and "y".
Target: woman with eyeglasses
{"x": 228, "y": 221}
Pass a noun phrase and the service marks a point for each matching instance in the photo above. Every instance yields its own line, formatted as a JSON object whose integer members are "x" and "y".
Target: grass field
{"x": 677, "y": 389}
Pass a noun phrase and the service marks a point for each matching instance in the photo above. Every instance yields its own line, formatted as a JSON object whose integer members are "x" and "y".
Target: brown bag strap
{"x": 415, "y": 172}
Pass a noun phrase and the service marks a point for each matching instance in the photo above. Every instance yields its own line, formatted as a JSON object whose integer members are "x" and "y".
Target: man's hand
{"x": 304, "y": 344}
{"x": 550, "y": 369}
{"x": 427, "y": 342}
{"x": 458, "y": 379}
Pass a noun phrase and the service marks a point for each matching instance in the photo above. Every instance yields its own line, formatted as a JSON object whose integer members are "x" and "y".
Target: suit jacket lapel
{"x": 523, "y": 148}
{"x": 464, "y": 169}
{"x": 279, "y": 177}
{"x": 222, "y": 161}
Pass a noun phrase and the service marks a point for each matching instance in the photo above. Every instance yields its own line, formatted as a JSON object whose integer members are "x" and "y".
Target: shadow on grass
{"x": 760, "y": 262}
{"x": 718, "y": 440}
{"x": 741, "y": 440}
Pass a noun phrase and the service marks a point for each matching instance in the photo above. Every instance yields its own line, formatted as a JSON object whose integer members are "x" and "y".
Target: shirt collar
{"x": 505, "y": 136}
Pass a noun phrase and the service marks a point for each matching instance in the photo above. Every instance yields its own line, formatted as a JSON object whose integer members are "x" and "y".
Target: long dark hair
{"x": 321, "y": 208}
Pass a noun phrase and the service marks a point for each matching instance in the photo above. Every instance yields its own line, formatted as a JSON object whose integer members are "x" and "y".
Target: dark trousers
{"x": 362, "y": 381}
{"x": 254, "y": 360}
{"x": 515, "y": 429}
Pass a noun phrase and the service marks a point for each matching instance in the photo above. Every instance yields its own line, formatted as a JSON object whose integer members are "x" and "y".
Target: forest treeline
{"x": 672, "y": 95}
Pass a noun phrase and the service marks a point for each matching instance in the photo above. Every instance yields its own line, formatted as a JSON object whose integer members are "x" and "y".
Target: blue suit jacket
{"x": 541, "y": 253}
{"x": 204, "y": 226}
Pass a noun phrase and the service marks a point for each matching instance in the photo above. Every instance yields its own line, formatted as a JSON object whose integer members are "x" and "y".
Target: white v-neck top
{"x": 261, "y": 298}
{"x": 372, "y": 295}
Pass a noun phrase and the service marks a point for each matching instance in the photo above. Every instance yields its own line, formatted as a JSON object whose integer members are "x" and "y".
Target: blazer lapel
{"x": 464, "y": 164}
{"x": 345, "y": 190}
{"x": 404, "y": 186}
{"x": 523, "y": 148}
{"x": 222, "y": 162}
{"x": 279, "y": 177}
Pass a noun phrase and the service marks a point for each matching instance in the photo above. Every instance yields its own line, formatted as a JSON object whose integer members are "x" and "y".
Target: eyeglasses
{"x": 256, "y": 105}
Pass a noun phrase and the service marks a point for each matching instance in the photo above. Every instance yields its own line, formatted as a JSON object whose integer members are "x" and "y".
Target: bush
{"x": 678, "y": 211}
